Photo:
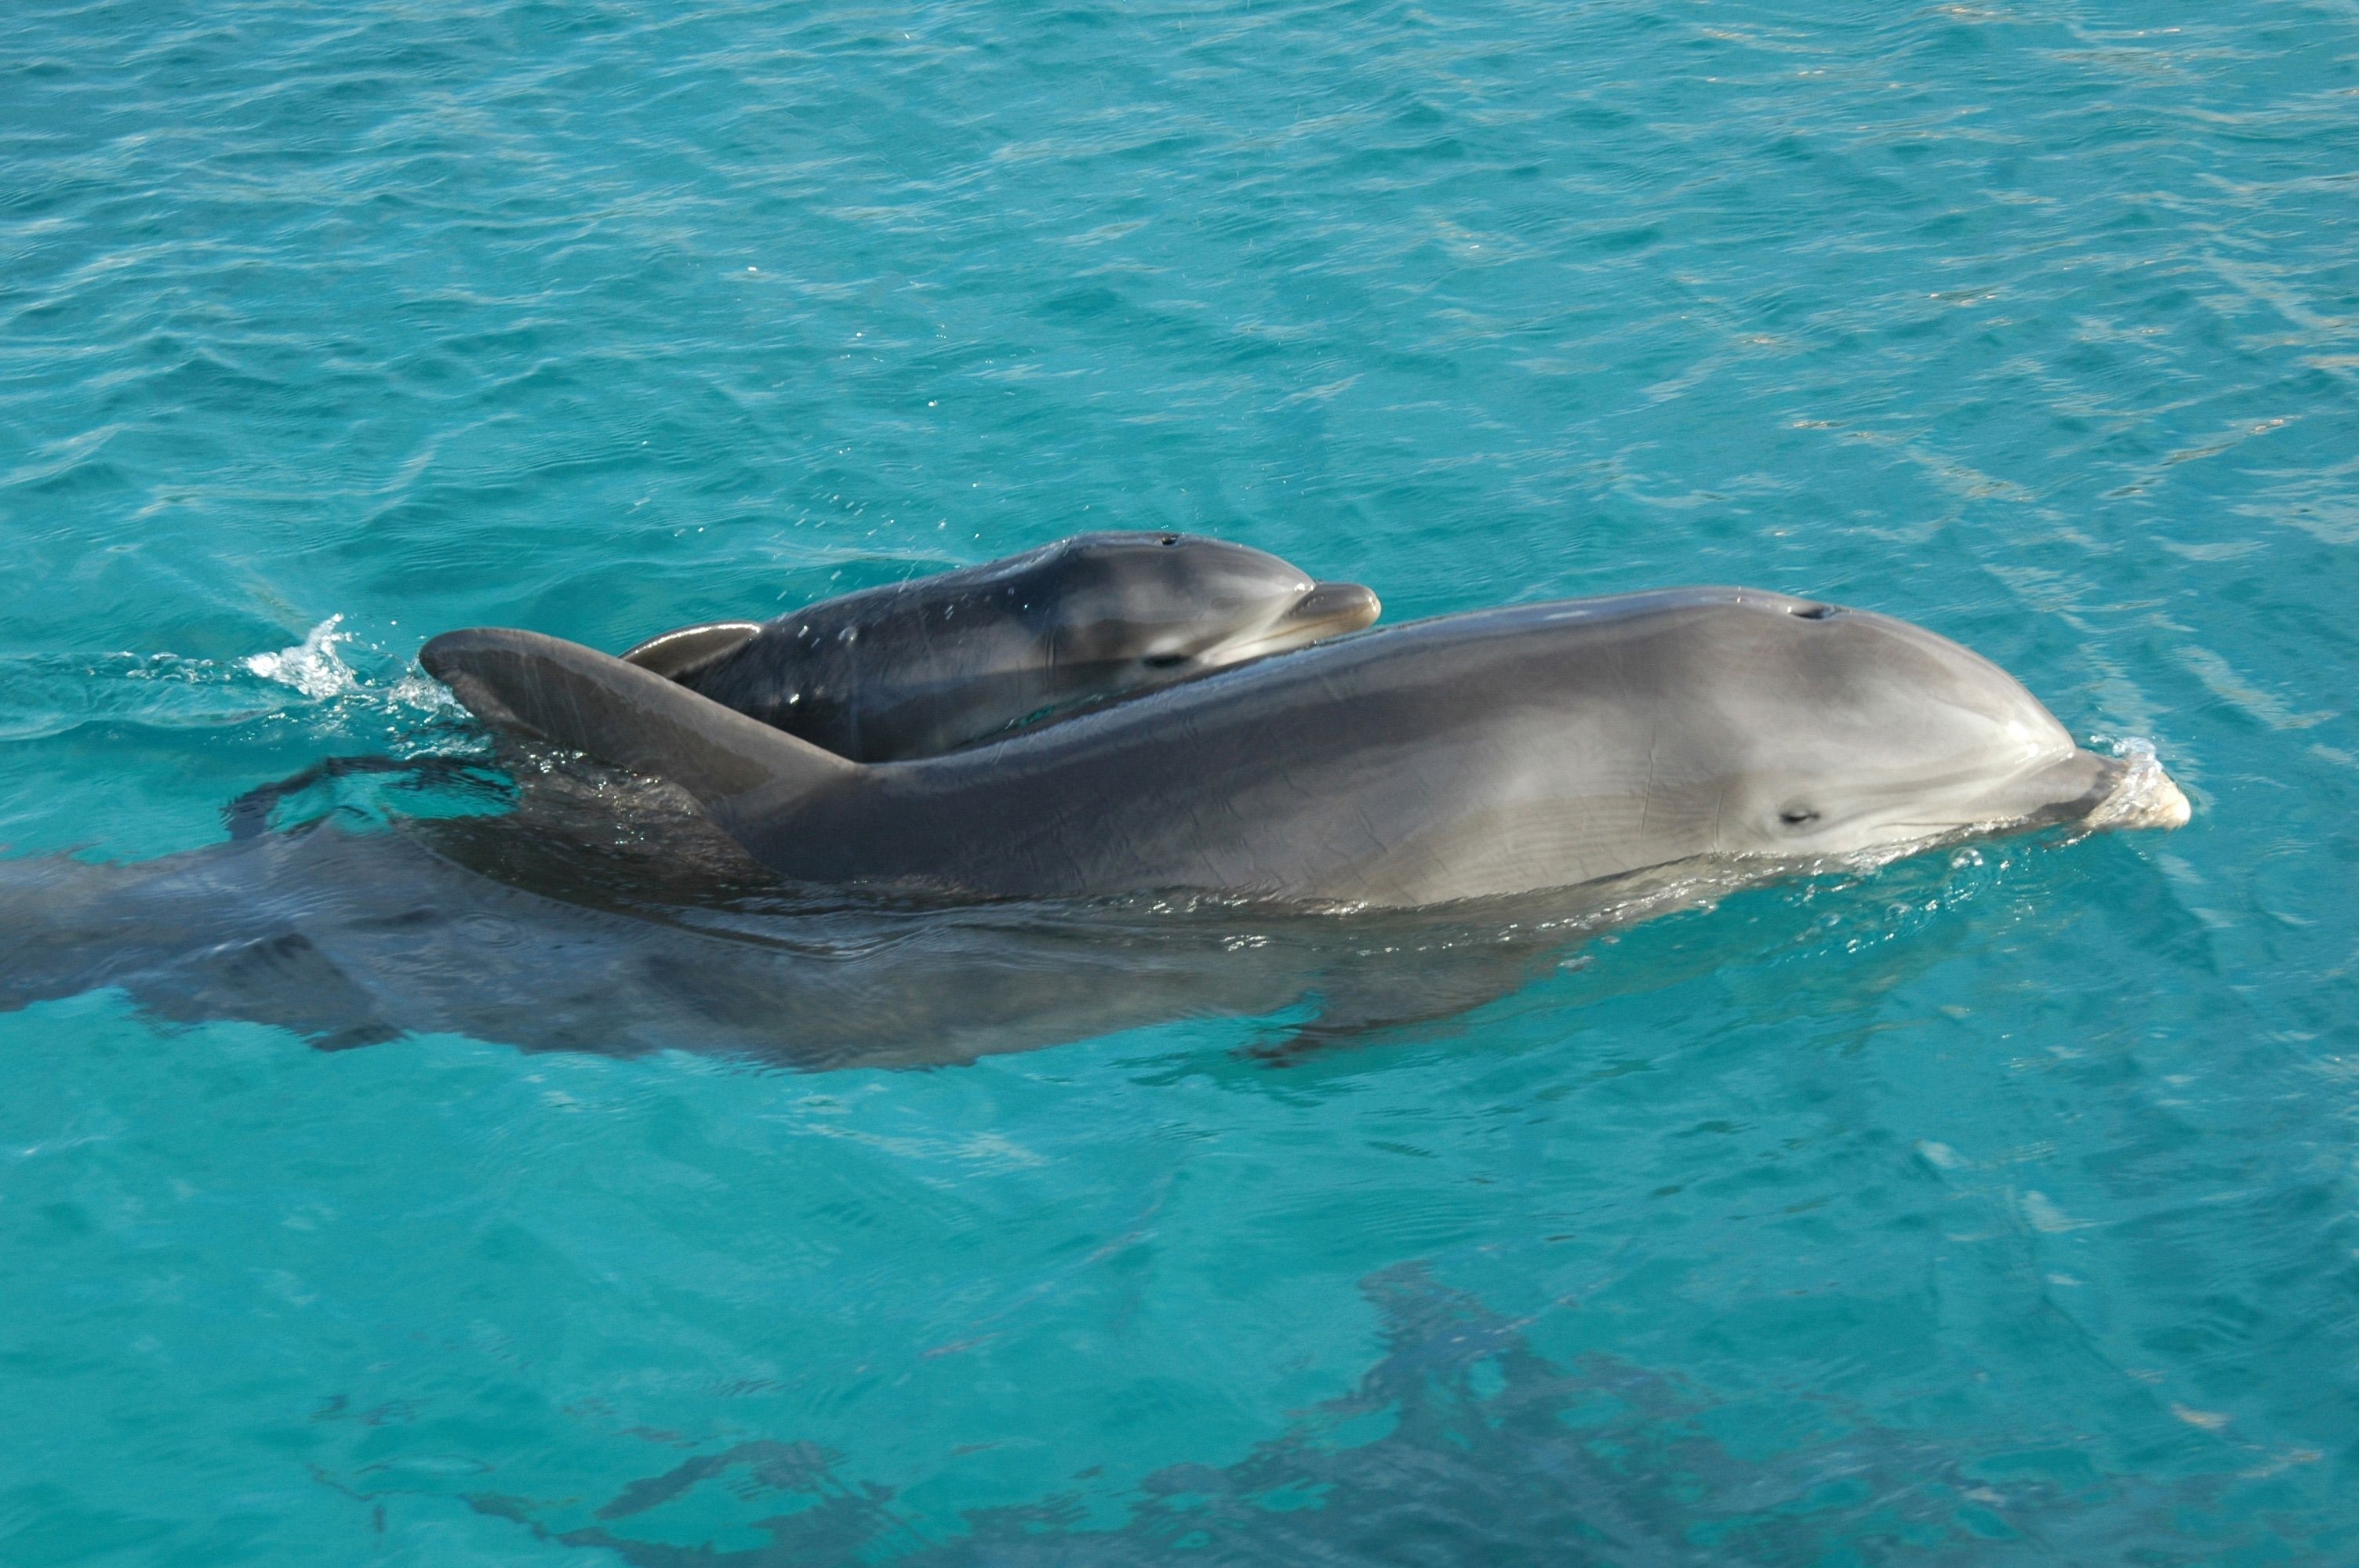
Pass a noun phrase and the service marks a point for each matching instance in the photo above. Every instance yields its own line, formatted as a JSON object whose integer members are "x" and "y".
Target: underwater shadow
{"x": 1494, "y": 1455}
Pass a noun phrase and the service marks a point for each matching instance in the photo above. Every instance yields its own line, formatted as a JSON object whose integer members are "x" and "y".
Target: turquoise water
{"x": 1997, "y": 1207}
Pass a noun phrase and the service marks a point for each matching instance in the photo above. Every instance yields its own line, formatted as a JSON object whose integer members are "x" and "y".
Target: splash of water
{"x": 312, "y": 666}
{"x": 2144, "y": 795}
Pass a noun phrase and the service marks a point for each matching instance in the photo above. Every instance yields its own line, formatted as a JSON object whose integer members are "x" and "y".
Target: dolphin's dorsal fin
{"x": 630, "y": 717}
{"x": 684, "y": 650}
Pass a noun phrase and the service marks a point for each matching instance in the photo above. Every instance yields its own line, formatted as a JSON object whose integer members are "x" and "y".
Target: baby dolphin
{"x": 922, "y": 667}
{"x": 1502, "y": 751}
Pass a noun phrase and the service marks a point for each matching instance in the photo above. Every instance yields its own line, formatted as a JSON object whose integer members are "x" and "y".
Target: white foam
{"x": 2144, "y": 795}
{"x": 312, "y": 666}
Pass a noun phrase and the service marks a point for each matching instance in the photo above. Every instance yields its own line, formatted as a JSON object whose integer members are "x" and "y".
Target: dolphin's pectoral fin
{"x": 632, "y": 718}
{"x": 303, "y": 989}
{"x": 1303, "y": 1041}
{"x": 1366, "y": 1008}
{"x": 683, "y": 652}
{"x": 254, "y": 812}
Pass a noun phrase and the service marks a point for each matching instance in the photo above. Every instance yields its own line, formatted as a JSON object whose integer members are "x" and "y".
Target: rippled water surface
{"x": 1995, "y": 1207}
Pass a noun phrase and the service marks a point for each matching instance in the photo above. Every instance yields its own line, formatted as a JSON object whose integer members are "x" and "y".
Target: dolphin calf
{"x": 924, "y": 666}
{"x": 1498, "y": 752}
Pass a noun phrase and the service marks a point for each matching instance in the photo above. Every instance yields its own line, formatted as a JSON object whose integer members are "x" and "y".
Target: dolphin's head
{"x": 1846, "y": 731}
{"x": 1168, "y": 606}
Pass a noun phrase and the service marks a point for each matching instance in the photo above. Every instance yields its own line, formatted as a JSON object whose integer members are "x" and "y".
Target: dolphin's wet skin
{"x": 1493, "y": 754}
{"x": 954, "y": 658}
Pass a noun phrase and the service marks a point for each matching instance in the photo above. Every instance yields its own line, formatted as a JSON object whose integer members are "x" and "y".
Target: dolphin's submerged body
{"x": 487, "y": 928}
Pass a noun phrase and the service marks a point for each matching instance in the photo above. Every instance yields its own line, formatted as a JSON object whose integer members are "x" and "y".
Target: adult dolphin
{"x": 513, "y": 928}
{"x": 921, "y": 668}
{"x": 1490, "y": 753}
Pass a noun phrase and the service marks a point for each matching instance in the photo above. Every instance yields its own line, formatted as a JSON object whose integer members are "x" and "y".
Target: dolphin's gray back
{"x": 1422, "y": 764}
{"x": 904, "y": 669}
{"x": 1478, "y": 754}
{"x": 894, "y": 672}
{"x": 925, "y": 667}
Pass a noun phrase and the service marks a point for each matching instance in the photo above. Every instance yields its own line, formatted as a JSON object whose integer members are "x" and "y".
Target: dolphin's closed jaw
{"x": 1325, "y": 610}
{"x": 1333, "y": 607}
{"x": 2099, "y": 792}
{"x": 2166, "y": 806}
{"x": 2139, "y": 795}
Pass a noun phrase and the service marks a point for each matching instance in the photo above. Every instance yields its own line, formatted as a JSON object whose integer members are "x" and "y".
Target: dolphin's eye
{"x": 1798, "y": 816}
{"x": 1171, "y": 538}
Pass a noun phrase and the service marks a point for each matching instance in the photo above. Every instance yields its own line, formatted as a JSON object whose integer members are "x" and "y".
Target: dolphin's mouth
{"x": 1325, "y": 610}
{"x": 2137, "y": 792}
{"x": 2095, "y": 793}
{"x": 2081, "y": 790}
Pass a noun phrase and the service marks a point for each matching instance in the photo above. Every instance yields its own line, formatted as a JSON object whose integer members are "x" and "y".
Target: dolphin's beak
{"x": 1330, "y": 607}
{"x": 2105, "y": 793}
{"x": 1325, "y": 610}
{"x": 2140, "y": 796}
